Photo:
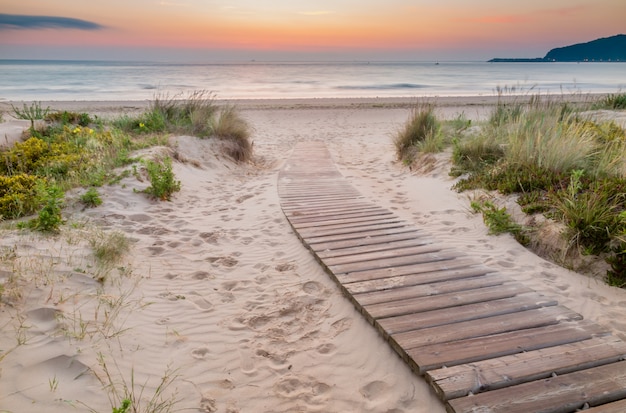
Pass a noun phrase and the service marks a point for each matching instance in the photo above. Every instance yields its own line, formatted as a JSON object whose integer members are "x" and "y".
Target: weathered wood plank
{"x": 427, "y": 273}
{"x": 481, "y": 348}
{"x": 480, "y": 376}
{"x": 375, "y": 224}
{"x": 333, "y": 248}
{"x": 441, "y": 301}
{"x": 389, "y": 244}
{"x": 443, "y": 255}
{"x": 333, "y": 221}
{"x": 359, "y": 235}
{"x": 614, "y": 407}
{"x": 522, "y": 320}
{"x": 465, "y": 272}
{"x": 336, "y": 215}
{"x": 561, "y": 394}
{"x": 395, "y": 325}
{"x": 395, "y": 293}
{"x": 363, "y": 256}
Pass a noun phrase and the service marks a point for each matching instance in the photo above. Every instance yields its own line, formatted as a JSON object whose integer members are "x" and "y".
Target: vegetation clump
{"x": 560, "y": 163}
{"x": 163, "y": 182}
{"x": 197, "y": 115}
{"x": 421, "y": 132}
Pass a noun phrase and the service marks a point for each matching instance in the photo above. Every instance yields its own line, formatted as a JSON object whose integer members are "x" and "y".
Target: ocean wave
{"x": 392, "y": 86}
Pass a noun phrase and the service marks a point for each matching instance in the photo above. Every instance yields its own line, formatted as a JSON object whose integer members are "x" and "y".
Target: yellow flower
{"x": 141, "y": 125}
{"x": 76, "y": 130}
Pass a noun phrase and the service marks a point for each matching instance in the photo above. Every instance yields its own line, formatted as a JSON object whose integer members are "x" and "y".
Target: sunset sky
{"x": 226, "y": 30}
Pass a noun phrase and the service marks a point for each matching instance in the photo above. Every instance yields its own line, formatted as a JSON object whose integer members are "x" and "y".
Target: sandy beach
{"x": 219, "y": 296}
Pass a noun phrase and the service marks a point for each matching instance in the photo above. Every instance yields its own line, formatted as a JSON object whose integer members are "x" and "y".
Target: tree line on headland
{"x": 608, "y": 49}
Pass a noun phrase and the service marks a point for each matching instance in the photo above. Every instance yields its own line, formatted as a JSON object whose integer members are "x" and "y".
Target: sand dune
{"x": 219, "y": 295}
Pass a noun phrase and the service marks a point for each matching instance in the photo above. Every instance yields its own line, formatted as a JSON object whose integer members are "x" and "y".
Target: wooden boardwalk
{"x": 484, "y": 343}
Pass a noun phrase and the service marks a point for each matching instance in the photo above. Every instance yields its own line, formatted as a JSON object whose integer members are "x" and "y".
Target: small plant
{"x": 49, "y": 218}
{"x": 53, "y": 383}
{"x": 616, "y": 275}
{"x": 499, "y": 221}
{"x": 162, "y": 179}
{"x": 91, "y": 198}
{"x": 109, "y": 248}
{"x": 123, "y": 407}
{"x": 32, "y": 112}
{"x": 130, "y": 397}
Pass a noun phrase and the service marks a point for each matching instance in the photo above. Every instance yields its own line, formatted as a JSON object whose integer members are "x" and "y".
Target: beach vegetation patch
{"x": 19, "y": 195}
{"x": 559, "y": 162}
{"x": 499, "y": 221}
{"x": 231, "y": 128}
{"x": 109, "y": 248}
{"x": 91, "y": 198}
{"x": 421, "y": 132}
{"x": 49, "y": 218}
{"x": 163, "y": 182}
{"x": 612, "y": 101}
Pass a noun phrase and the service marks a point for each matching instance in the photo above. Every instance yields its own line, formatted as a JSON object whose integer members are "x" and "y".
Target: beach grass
{"x": 558, "y": 161}
{"x": 421, "y": 132}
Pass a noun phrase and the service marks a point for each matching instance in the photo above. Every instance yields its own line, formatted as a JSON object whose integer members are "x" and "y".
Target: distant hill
{"x": 608, "y": 49}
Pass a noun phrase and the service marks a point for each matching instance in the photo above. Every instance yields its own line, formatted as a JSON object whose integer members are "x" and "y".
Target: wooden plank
{"x": 427, "y": 273}
{"x": 487, "y": 347}
{"x": 325, "y": 204}
{"x": 442, "y": 255}
{"x": 465, "y": 272}
{"x": 436, "y": 302}
{"x": 359, "y": 235}
{"x": 426, "y": 290}
{"x": 566, "y": 393}
{"x": 335, "y": 248}
{"x": 615, "y": 407}
{"x": 521, "y": 320}
{"x": 320, "y": 217}
{"x": 375, "y": 224}
{"x": 365, "y": 255}
{"x": 304, "y": 211}
{"x": 395, "y": 325}
{"x": 342, "y": 221}
{"x": 486, "y": 375}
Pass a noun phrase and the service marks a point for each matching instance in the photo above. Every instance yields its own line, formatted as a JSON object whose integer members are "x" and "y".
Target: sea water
{"x": 102, "y": 80}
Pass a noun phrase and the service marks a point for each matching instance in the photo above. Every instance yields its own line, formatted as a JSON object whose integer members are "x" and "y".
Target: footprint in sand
{"x": 306, "y": 389}
{"x": 374, "y": 390}
{"x": 326, "y": 348}
{"x": 202, "y": 304}
{"x": 199, "y": 353}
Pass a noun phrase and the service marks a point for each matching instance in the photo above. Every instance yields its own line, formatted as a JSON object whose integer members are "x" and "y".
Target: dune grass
{"x": 561, "y": 163}
{"x": 421, "y": 132}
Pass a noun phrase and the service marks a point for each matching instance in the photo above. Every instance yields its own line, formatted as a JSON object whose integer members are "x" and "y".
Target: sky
{"x": 297, "y": 30}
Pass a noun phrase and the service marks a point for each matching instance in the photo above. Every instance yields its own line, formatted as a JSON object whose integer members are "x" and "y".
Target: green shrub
{"x": 162, "y": 179}
{"x": 499, "y": 221}
{"x": 19, "y": 195}
{"x": 91, "y": 198}
{"x": 71, "y": 118}
{"x": 592, "y": 214}
{"x": 49, "y": 218}
{"x": 31, "y": 112}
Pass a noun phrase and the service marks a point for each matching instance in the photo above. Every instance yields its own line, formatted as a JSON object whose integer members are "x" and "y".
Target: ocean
{"x": 101, "y": 80}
